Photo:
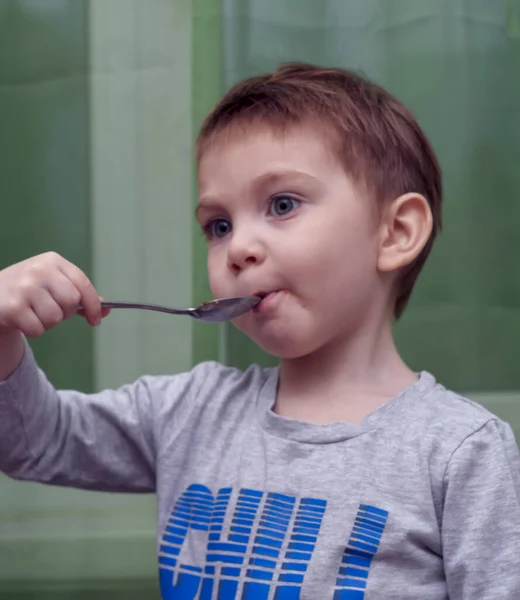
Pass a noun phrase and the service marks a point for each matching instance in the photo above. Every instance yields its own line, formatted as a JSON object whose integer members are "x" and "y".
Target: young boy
{"x": 340, "y": 475}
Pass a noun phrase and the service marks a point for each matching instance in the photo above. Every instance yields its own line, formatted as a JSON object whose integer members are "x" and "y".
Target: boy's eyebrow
{"x": 207, "y": 204}
{"x": 260, "y": 183}
{"x": 202, "y": 205}
{"x": 275, "y": 177}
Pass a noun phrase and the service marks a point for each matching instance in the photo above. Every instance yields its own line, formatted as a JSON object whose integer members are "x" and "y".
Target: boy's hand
{"x": 40, "y": 292}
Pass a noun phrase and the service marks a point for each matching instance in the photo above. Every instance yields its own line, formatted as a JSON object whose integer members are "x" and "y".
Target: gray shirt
{"x": 419, "y": 501}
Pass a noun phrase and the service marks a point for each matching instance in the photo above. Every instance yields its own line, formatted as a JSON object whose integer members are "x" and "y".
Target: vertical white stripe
{"x": 141, "y": 161}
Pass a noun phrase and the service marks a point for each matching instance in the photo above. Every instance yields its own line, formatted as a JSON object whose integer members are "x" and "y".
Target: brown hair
{"x": 378, "y": 140}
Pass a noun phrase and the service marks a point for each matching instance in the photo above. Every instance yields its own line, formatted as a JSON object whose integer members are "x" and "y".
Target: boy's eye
{"x": 218, "y": 228}
{"x": 283, "y": 205}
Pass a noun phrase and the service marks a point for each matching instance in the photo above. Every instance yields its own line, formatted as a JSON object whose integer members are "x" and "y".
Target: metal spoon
{"x": 214, "y": 311}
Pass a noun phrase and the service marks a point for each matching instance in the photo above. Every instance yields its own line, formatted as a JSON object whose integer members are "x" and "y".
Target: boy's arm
{"x": 11, "y": 352}
{"x": 101, "y": 441}
{"x": 481, "y": 516}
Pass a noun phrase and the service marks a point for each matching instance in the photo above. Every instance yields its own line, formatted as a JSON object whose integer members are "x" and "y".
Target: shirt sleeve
{"x": 103, "y": 441}
{"x": 481, "y": 516}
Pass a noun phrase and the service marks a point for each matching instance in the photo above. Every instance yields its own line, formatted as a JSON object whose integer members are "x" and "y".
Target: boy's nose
{"x": 244, "y": 250}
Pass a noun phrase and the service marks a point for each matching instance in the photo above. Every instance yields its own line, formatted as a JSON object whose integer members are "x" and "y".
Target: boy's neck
{"x": 345, "y": 381}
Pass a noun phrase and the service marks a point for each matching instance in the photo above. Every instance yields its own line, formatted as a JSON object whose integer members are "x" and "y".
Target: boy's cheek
{"x": 214, "y": 279}
{"x": 218, "y": 290}
{"x": 215, "y": 291}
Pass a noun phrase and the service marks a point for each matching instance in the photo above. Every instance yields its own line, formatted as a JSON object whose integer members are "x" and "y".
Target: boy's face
{"x": 283, "y": 218}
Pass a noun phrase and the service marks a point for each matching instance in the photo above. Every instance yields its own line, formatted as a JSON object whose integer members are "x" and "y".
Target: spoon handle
{"x": 155, "y": 307}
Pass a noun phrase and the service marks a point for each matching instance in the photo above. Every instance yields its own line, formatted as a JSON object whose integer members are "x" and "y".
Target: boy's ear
{"x": 405, "y": 227}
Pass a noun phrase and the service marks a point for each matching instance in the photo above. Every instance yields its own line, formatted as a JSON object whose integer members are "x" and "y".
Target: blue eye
{"x": 217, "y": 228}
{"x": 283, "y": 205}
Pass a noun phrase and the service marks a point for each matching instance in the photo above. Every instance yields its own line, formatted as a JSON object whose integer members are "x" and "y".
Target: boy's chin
{"x": 282, "y": 339}
{"x": 285, "y": 348}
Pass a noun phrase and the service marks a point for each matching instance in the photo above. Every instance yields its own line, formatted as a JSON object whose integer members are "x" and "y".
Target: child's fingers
{"x": 29, "y": 324}
{"x": 65, "y": 293}
{"x": 89, "y": 298}
{"x": 46, "y": 309}
{"x": 104, "y": 311}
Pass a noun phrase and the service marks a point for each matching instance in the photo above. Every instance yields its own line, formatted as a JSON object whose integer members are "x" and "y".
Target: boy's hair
{"x": 378, "y": 140}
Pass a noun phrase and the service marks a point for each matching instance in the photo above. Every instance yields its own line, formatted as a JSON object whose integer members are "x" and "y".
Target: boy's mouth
{"x": 266, "y": 297}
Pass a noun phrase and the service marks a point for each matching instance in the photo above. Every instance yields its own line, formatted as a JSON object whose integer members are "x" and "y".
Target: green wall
{"x": 44, "y": 153}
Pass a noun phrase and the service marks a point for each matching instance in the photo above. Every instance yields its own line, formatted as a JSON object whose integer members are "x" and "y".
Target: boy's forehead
{"x": 260, "y": 150}
{"x": 245, "y": 132}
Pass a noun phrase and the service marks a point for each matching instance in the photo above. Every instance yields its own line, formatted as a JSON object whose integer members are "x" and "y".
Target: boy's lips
{"x": 268, "y": 300}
